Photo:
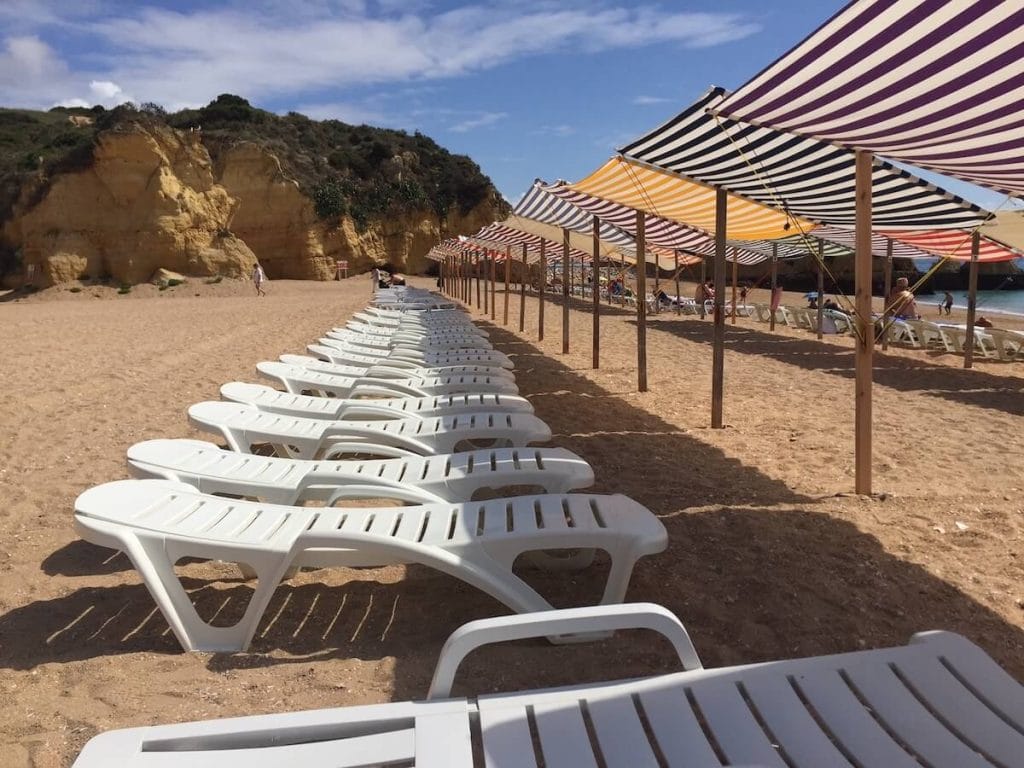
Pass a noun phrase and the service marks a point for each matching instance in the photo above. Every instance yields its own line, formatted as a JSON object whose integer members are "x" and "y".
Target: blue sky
{"x": 536, "y": 88}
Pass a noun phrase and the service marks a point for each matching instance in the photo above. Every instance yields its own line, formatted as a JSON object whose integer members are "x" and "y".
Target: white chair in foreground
{"x": 385, "y": 371}
{"x": 420, "y": 479}
{"x": 309, "y": 407}
{"x": 158, "y": 522}
{"x": 301, "y": 380}
{"x": 243, "y": 426}
{"x": 938, "y": 701}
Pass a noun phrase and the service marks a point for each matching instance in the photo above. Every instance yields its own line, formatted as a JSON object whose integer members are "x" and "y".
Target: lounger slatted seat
{"x": 425, "y": 358}
{"x": 158, "y": 522}
{"x": 433, "y": 342}
{"x": 302, "y": 380}
{"x": 938, "y": 701}
{"x": 450, "y": 477}
{"x": 306, "y": 406}
{"x": 385, "y": 371}
{"x": 343, "y": 356}
{"x": 380, "y": 370}
{"x": 419, "y": 335}
{"x": 243, "y": 426}
{"x": 428, "y": 324}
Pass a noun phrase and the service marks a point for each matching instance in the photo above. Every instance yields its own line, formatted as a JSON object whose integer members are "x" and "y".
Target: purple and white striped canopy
{"x": 935, "y": 83}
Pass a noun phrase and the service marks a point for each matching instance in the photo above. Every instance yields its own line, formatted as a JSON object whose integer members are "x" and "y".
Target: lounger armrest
{"x": 340, "y": 448}
{"x": 596, "y": 618}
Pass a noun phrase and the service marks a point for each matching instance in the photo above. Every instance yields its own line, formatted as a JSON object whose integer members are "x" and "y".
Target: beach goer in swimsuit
{"x": 901, "y": 302}
{"x": 258, "y": 278}
{"x": 947, "y": 303}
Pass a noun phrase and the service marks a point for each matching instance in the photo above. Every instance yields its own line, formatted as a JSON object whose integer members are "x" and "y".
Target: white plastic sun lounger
{"x": 158, "y": 522}
{"x": 426, "y": 323}
{"x": 459, "y": 334}
{"x": 938, "y": 701}
{"x": 341, "y": 356}
{"x": 309, "y": 407}
{"x": 451, "y": 477}
{"x": 383, "y": 370}
{"x": 380, "y": 370}
{"x": 423, "y": 357}
{"x": 1008, "y": 345}
{"x": 243, "y": 426}
{"x": 301, "y": 380}
{"x": 432, "y": 342}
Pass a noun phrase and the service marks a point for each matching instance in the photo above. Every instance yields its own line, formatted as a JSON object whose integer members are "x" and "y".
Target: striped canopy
{"x": 670, "y": 197}
{"x": 934, "y": 83}
{"x": 669, "y": 235}
{"x": 806, "y": 177}
{"x": 956, "y": 245}
{"x": 501, "y": 235}
{"x": 618, "y": 226}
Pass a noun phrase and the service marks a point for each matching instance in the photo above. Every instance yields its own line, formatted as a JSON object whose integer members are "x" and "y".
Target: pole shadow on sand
{"x": 755, "y": 572}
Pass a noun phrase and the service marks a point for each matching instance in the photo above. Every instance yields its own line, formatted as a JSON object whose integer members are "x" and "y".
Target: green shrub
{"x": 75, "y": 289}
{"x": 174, "y": 281}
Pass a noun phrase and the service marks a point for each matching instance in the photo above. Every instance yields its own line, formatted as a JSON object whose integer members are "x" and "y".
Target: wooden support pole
{"x": 821, "y": 284}
{"x": 595, "y": 290}
{"x": 678, "y": 302}
{"x": 486, "y": 263}
{"x": 641, "y": 302}
{"x": 466, "y": 279}
{"x": 523, "y": 277}
{"x": 865, "y": 325}
{"x": 703, "y": 281}
{"x": 494, "y": 284}
{"x": 972, "y": 299}
{"x": 718, "y": 337}
{"x": 508, "y": 276}
{"x": 735, "y": 264}
{"x": 543, "y": 289}
{"x": 775, "y": 282}
{"x": 887, "y": 290}
{"x": 566, "y": 278}
{"x": 478, "y": 269}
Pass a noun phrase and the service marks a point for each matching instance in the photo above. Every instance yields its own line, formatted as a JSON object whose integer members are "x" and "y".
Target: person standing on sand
{"x": 258, "y": 278}
{"x": 947, "y": 303}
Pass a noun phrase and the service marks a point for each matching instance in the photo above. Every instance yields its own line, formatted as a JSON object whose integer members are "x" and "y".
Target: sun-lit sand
{"x": 769, "y": 555}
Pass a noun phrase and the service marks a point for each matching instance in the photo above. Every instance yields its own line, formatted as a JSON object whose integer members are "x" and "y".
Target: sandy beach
{"x": 770, "y": 555}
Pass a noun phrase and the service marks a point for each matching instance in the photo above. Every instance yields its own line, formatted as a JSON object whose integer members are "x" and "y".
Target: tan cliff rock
{"x": 154, "y": 199}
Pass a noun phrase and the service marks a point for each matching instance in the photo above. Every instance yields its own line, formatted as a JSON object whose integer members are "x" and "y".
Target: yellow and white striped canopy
{"x": 672, "y": 197}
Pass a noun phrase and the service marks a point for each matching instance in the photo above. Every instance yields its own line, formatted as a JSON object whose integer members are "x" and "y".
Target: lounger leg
{"x": 154, "y": 559}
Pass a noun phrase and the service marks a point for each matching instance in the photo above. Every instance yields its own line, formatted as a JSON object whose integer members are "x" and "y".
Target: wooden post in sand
{"x": 641, "y": 302}
{"x": 775, "y": 282}
{"x": 865, "y": 325}
{"x": 523, "y": 277}
{"x": 488, "y": 260}
{"x": 821, "y": 283}
{"x": 887, "y": 290}
{"x": 595, "y": 290}
{"x": 718, "y": 335}
{"x": 466, "y": 279}
{"x": 566, "y": 278}
{"x": 479, "y": 269}
{"x": 972, "y": 299}
{"x": 494, "y": 281}
{"x": 678, "y": 302}
{"x": 543, "y": 289}
{"x": 735, "y": 263}
{"x": 508, "y": 276}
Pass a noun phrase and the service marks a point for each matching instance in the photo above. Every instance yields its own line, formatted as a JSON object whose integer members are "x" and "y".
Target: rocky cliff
{"x": 153, "y": 198}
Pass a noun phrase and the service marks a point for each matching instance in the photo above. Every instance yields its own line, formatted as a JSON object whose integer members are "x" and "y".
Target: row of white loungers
{"x": 414, "y": 438}
{"x": 938, "y": 701}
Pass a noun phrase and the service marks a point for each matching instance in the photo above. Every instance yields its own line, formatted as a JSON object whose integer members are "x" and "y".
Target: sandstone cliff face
{"x": 153, "y": 199}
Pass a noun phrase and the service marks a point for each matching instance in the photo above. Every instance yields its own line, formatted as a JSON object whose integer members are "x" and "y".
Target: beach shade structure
{"x": 932, "y": 83}
{"x": 805, "y": 177}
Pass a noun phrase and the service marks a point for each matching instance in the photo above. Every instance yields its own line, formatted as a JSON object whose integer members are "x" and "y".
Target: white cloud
{"x": 480, "y": 121}
{"x": 644, "y": 101}
{"x": 264, "y": 49}
{"x": 104, "y": 89}
{"x": 355, "y": 114}
{"x": 555, "y": 130}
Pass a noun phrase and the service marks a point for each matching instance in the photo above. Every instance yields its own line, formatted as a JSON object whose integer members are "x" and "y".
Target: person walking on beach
{"x": 947, "y": 303}
{"x": 258, "y": 278}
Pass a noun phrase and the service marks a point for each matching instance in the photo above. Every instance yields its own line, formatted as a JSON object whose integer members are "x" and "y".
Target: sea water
{"x": 1005, "y": 302}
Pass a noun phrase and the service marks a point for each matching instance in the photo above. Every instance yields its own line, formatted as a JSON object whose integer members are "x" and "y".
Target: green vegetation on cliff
{"x": 356, "y": 170}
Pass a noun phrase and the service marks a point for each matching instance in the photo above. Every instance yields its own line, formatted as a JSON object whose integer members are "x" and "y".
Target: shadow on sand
{"x": 762, "y": 575}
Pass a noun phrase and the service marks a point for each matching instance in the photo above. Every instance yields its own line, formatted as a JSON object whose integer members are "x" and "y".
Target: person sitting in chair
{"x": 900, "y": 303}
